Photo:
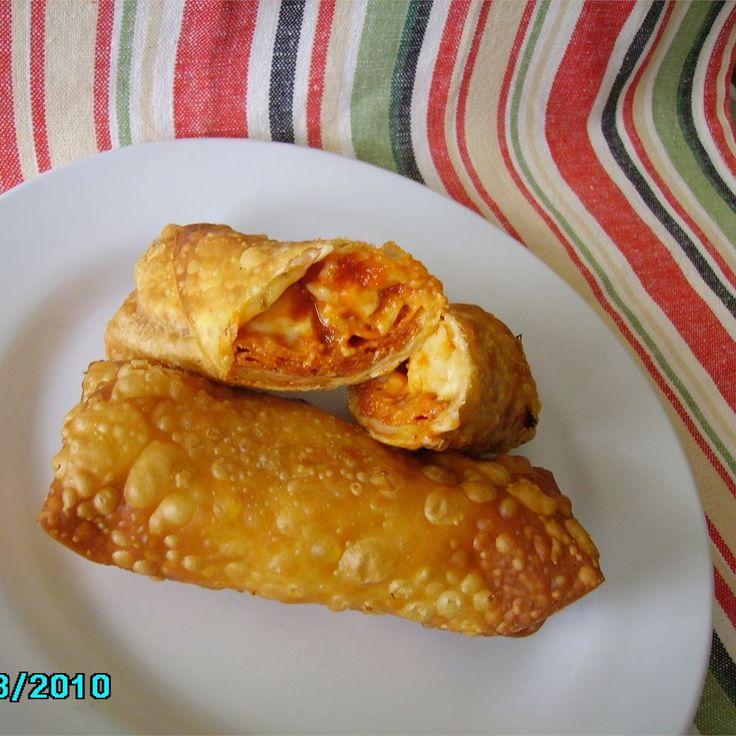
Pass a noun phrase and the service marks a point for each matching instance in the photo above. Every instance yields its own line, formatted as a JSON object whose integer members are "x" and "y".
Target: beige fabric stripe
{"x": 551, "y": 45}
{"x": 301, "y": 73}
{"x": 334, "y": 68}
{"x": 359, "y": 12}
{"x": 69, "y": 83}
{"x": 21, "y": 69}
{"x": 450, "y": 127}
{"x": 113, "y": 78}
{"x": 147, "y": 103}
{"x": 137, "y": 104}
{"x": 164, "y": 70}
{"x": 481, "y": 138}
{"x": 485, "y": 152}
{"x": 550, "y": 49}
{"x": 259, "y": 71}
{"x": 420, "y": 96}
{"x": 717, "y": 498}
{"x": 480, "y": 124}
{"x": 147, "y": 32}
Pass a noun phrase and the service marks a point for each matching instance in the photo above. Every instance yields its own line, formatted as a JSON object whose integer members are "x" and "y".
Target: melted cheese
{"x": 423, "y": 398}
{"x": 290, "y": 319}
{"x": 438, "y": 367}
{"x": 345, "y": 300}
{"x": 286, "y": 329}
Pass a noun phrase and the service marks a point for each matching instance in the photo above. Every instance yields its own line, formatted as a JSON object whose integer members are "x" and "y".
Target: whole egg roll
{"x": 173, "y": 476}
{"x": 469, "y": 387}
{"x": 250, "y": 311}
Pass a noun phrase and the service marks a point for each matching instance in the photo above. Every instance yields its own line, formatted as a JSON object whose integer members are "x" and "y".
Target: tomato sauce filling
{"x": 389, "y": 400}
{"x": 344, "y": 314}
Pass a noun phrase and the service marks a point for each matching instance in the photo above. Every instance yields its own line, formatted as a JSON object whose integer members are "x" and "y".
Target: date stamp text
{"x": 54, "y": 686}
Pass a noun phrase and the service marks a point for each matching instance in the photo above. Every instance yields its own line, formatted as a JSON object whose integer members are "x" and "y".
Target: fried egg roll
{"x": 250, "y": 311}
{"x": 176, "y": 477}
{"x": 468, "y": 387}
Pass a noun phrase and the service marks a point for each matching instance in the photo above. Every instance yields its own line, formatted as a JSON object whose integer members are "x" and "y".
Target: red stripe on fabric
{"x": 10, "y": 171}
{"x": 595, "y": 288}
{"x": 38, "y": 82}
{"x": 230, "y": 75}
{"x": 721, "y": 545}
{"x": 710, "y": 101}
{"x": 460, "y": 121}
{"x": 211, "y": 71}
{"x": 630, "y": 126}
{"x": 568, "y": 111}
{"x": 193, "y": 60}
{"x": 101, "y": 84}
{"x": 728, "y": 92}
{"x": 725, "y": 596}
{"x": 317, "y": 72}
{"x": 439, "y": 95}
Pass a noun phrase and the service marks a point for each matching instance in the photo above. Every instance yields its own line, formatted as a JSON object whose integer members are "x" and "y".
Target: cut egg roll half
{"x": 173, "y": 476}
{"x": 250, "y": 311}
{"x": 468, "y": 387}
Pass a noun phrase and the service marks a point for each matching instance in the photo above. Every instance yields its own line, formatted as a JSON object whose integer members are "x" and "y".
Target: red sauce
{"x": 300, "y": 301}
{"x": 343, "y": 273}
{"x": 349, "y": 269}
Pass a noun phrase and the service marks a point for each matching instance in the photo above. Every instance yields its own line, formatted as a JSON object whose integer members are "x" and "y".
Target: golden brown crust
{"x": 151, "y": 337}
{"x": 490, "y": 404}
{"x": 207, "y": 296}
{"x": 176, "y": 477}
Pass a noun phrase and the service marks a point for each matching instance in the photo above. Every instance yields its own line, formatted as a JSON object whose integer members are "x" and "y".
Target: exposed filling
{"x": 347, "y": 312}
{"x": 425, "y": 390}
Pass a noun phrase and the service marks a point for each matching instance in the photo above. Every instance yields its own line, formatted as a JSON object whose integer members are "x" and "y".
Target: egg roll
{"x": 469, "y": 387}
{"x": 176, "y": 477}
{"x": 250, "y": 311}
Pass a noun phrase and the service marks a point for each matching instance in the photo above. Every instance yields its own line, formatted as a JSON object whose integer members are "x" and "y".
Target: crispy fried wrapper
{"x": 250, "y": 311}
{"x": 469, "y": 387}
{"x": 175, "y": 477}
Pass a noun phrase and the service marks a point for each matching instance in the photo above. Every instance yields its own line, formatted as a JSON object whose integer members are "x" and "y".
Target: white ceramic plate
{"x": 629, "y": 658}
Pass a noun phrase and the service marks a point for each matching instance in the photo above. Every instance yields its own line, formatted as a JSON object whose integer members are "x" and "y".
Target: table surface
{"x": 600, "y": 135}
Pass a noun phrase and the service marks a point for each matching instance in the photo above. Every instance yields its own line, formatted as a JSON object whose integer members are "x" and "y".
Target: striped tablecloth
{"x": 600, "y": 134}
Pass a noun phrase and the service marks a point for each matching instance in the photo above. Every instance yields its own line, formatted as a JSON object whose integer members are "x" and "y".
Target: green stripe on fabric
{"x": 723, "y": 668}
{"x": 685, "y": 113}
{"x": 716, "y": 714}
{"x": 371, "y": 96}
{"x": 588, "y": 256}
{"x": 125, "y": 58}
{"x": 668, "y": 124}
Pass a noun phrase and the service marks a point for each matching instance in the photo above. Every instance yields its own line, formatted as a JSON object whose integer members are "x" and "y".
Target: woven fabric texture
{"x": 599, "y": 134}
